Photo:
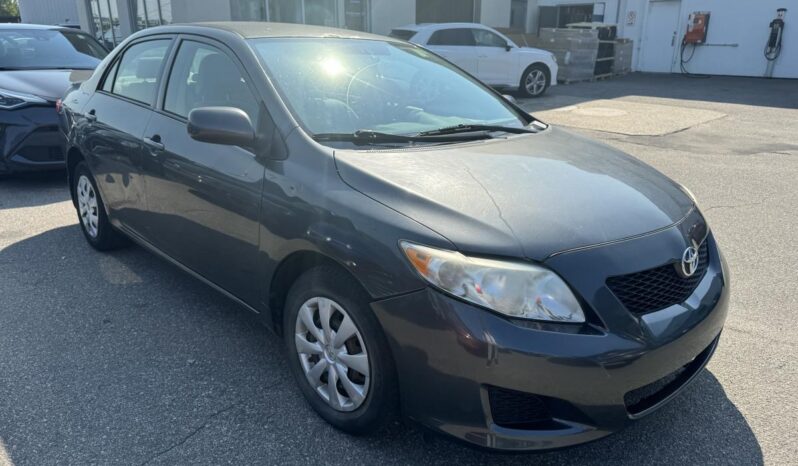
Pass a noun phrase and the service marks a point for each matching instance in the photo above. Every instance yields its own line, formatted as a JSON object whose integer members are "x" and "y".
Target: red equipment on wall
{"x": 697, "y": 27}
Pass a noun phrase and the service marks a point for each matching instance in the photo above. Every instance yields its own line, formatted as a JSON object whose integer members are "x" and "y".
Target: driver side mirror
{"x": 221, "y": 125}
{"x": 508, "y": 47}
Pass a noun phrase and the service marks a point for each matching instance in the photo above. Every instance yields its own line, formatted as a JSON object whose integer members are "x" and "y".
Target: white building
{"x": 738, "y": 29}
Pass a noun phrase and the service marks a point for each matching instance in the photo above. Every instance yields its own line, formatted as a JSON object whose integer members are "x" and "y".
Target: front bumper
{"x": 31, "y": 140}
{"x": 451, "y": 357}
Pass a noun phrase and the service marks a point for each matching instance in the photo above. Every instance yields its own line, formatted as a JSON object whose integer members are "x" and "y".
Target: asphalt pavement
{"x": 122, "y": 359}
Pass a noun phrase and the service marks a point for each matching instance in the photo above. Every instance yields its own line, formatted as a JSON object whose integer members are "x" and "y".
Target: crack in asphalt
{"x": 191, "y": 434}
{"x": 204, "y": 424}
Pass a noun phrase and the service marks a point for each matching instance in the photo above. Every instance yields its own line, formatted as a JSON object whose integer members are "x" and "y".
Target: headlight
{"x": 10, "y": 99}
{"x": 518, "y": 290}
{"x": 554, "y": 58}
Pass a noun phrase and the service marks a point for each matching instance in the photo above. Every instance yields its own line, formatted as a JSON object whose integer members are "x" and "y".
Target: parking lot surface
{"x": 122, "y": 359}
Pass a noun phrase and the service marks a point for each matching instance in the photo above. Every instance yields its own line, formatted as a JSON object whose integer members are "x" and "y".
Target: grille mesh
{"x": 517, "y": 410}
{"x": 658, "y": 288}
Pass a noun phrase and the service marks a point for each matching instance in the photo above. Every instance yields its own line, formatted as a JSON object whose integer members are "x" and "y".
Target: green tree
{"x": 9, "y": 8}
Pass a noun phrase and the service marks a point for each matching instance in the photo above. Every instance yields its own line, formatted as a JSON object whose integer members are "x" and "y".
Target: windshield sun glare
{"x": 342, "y": 86}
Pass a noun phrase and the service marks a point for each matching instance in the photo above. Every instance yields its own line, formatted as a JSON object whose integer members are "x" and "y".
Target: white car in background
{"x": 487, "y": 54}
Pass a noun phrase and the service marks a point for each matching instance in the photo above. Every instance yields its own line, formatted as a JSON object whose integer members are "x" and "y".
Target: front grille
{"x": 517, "y": 410}
{"x": 658, "y": 288}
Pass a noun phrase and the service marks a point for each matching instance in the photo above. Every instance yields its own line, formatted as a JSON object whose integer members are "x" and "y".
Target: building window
{"x": 318, "y": 12}
{"x": 356, "y": 15}
{"x": 105, "y": 22}
{"x": 285, "y": 11}
{"x": 248, "y": 10}
{"x": 150, "y": 13}
{"x": 321, "y": 12}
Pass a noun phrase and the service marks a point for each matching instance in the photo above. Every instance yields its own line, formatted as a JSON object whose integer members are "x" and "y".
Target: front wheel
{"x": 535, "y": 81}
{"x": 337, "y": 351}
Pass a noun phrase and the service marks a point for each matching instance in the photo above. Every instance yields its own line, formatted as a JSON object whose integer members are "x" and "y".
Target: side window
{"x": 108, "y": 84}
{"x": 452, "y": 37}
{"x": 486, "y": 38}
{"x": 139, "y": 71}
{"x": 204, "y": 76}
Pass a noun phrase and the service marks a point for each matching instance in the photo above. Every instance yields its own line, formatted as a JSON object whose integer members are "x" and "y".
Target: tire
{"x": 92, "y": 218}
{"x": 346, "y": 299}
{"x": 535, "y": 81}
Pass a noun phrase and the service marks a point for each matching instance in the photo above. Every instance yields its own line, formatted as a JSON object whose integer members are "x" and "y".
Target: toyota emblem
{"x": 689, "y": 261}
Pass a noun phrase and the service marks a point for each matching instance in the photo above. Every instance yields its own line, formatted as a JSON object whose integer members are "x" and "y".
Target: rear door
{"x": 118, "y": 113}
{"x": 204, "y": 199}
{"x": 495, "y": 64}
{"x": 456, "y": 45}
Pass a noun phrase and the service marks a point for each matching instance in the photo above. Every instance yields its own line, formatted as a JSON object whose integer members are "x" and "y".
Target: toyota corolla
{"x": 424, "y": 246}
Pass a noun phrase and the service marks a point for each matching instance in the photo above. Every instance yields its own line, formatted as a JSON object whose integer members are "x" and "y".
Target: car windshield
{"x": 342, "y": 86}
{"x": 26, "y": 49}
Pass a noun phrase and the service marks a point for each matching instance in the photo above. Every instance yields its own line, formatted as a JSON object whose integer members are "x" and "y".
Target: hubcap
{"x": 87, "y": 206}
{"x": 332, "y": 353}
{"x": 535, "y": 82}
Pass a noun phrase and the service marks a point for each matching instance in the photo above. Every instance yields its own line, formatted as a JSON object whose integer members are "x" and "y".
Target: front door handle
{"x": 154, "y": 143}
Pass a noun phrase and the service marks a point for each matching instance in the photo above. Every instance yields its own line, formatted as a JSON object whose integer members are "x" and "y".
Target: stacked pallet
{"x": 576, "y": 51}
{"x": 623, "y": 56}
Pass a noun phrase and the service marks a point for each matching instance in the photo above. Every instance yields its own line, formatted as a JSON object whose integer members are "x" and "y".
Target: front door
{"x": 660, "y": 41}
{"x": 456, "y": 45}
{"x": 118, "y": 113}
{"x": 204, "y": 199}
{"x": 494, "y": 61}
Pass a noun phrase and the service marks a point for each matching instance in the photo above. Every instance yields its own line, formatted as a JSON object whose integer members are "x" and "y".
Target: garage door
{"x": 444, "y": 11}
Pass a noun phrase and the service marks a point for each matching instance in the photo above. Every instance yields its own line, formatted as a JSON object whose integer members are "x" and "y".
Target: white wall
{"x": 49, "y": 12}
{"x": 388, "y": 14}
{"x": 495, "y": 13}
{"x": 740, "y": 22}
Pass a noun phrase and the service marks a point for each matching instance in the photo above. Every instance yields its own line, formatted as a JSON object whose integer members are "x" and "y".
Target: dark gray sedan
{"x": 425, "y": 247}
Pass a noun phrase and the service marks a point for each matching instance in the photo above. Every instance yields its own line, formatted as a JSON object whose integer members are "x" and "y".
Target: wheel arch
{"x": 543, "y": 65}
{"x": 287, "y": 271}
{"x": 73, "y": 157}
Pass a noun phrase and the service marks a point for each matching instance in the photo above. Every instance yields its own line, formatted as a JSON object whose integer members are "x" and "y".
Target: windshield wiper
{"x": 367, "y": 136}
{"x": 470, "y": 128}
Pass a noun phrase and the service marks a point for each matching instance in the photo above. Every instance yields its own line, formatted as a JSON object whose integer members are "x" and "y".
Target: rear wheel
{"x": 91, "y": 212}
{"x": 534, "y": 81}
{"x": 337, "y": 351}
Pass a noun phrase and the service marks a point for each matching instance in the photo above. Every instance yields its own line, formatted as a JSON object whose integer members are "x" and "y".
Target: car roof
{"x": 24, "y": 26}
{"x": 438, "y": 26}
{"x": 260, "y": 29}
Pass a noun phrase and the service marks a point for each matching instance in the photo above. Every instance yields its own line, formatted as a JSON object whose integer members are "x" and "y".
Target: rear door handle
{"x": 92, "y": 115}
{"x": 154, "y": 142}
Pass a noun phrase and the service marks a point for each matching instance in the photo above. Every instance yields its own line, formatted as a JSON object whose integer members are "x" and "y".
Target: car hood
{"x": 525, "y": 196}
{"x": 49, "y": 84}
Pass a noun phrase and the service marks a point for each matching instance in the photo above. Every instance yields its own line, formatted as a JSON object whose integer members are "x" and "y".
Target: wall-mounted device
{"x": 697, "y": 27}
{"x": 695, "y": 35}
{"x": 773, "y": 46}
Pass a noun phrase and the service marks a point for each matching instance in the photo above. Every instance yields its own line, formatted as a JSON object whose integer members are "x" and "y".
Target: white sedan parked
{"x": 486, "y": 54}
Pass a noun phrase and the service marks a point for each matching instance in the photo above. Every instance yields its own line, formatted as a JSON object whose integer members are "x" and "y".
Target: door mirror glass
{"x": 221, "y": 125}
